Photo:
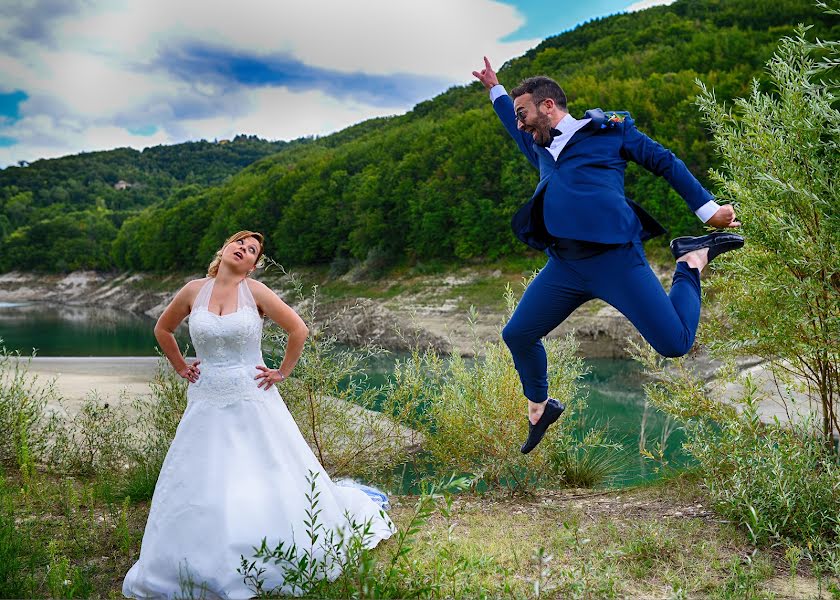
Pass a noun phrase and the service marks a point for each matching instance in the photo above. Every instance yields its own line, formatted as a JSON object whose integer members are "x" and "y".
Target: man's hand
{"x": 724, "y": 217}
{"x": 487, "y": 76}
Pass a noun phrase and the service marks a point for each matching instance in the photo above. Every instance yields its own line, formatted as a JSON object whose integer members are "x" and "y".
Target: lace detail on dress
{"x": 224, "y": 387}
{"x": 228, "y": 347}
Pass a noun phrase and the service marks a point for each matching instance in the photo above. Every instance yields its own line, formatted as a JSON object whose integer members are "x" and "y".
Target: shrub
{"x": 473, "y": 414}
{"x": 23, "y": 419}
{"x": 779, "y": 297}
{"x": 96, "y": 439}
{"x": 779, "y": 481}
{"x": 590, "y": 461}
{"x": 352, "y": 428}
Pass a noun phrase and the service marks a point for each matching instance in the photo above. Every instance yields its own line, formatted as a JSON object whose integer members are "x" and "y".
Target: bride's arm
{"x": 165, "y": 327}
{"x": 281, "y": 313}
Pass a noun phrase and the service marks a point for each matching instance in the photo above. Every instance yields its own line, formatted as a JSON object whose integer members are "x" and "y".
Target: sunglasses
{"x": 521, "y": 114}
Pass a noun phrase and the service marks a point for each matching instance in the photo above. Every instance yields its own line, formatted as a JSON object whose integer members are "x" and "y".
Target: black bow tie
{"x": 554, "y": 133}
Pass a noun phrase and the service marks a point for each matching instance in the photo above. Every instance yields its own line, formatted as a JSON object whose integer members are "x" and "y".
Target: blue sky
{"x": 544, "y": 18}
{"x": 84, "y": 75}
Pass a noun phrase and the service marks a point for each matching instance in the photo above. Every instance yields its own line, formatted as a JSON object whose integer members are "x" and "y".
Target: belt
{"x": 569, "y": 249}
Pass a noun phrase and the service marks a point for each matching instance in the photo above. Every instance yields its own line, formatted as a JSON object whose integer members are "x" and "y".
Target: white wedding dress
{"x": 235, "y": 473}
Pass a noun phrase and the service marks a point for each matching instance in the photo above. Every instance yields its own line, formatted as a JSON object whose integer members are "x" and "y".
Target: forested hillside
{"x": 72, "y": 207}
{"x": 438, "y": 183}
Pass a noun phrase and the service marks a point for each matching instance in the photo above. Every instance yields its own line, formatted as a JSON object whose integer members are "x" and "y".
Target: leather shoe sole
{"x": 717, "y": 242}
{"x": 552, "y": 412}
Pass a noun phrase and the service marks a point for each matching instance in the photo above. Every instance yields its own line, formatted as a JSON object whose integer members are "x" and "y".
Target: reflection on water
{"x": 56, "y": 330}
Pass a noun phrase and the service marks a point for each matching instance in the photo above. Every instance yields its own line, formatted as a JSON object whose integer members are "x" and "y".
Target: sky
{"x": 85, "y": 75}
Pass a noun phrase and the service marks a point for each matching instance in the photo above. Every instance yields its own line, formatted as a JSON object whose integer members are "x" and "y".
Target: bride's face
{"x": 241, "y": 255}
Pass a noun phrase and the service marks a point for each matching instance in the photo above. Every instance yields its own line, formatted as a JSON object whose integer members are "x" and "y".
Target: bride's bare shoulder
{"x": 255, "y": 286}
{"x": 262, "y": 294}
{"x": 191, "y": 288}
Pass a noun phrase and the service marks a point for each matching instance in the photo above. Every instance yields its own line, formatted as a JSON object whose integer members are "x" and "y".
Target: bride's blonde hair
{"x": 213, "y": 269}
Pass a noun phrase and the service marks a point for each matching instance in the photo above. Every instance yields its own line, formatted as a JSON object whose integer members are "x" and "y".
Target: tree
{"x": 779, "y": 297}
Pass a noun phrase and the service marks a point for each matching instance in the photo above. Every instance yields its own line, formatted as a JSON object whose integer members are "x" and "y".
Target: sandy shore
{"x": 114, "y": 379}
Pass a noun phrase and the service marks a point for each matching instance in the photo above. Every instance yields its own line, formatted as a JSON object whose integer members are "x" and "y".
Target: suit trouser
{"x": 621, "y": 277}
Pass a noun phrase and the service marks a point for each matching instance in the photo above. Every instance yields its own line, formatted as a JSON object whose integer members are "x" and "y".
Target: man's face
{"x": 533, "y": 119}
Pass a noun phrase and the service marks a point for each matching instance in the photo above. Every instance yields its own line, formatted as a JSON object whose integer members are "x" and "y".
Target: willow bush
{"x": 776, "y": 299}
{"x": 476, "y": 414}
{"x": 779, "y": 297}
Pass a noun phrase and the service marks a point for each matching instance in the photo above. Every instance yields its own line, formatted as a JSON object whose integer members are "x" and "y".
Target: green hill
{"x": 73, "y": 206}
{"x": 440, "y": 182}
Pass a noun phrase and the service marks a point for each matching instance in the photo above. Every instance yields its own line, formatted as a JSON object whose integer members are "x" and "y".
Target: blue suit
{"x": 581, "y": 197}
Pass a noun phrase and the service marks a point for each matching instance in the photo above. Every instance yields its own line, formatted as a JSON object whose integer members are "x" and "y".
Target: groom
{"x": 593, "y": 234}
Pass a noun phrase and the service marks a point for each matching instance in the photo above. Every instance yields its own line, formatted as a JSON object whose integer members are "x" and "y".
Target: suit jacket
{"x": 581, "y": 195}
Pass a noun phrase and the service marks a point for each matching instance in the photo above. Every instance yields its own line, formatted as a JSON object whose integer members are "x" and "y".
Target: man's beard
{"x": 542, "y": 130}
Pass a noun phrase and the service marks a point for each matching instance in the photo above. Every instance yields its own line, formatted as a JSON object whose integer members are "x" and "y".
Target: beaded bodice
{"x": 228, "y": 347}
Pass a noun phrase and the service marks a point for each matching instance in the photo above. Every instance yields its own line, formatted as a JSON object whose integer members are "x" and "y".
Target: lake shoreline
{"x": 425, "y": 311}
{"x": 117, "y": 380}
{"x": 404, "y": 311}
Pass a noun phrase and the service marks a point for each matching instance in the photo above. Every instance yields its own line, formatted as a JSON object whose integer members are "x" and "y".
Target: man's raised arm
{"x": 503, "y": 106}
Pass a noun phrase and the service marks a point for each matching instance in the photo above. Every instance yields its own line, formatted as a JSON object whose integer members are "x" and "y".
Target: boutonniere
{"x": 613, "y": 119}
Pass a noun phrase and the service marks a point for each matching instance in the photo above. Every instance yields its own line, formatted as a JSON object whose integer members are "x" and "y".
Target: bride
{"x": 238, "y": 469}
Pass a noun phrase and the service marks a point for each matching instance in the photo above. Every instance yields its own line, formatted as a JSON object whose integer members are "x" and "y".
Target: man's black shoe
{"x": 717, "y": 242}
{"x": 552, "y": 412}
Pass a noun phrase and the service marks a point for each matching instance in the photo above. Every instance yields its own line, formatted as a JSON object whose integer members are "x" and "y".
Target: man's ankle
{"x": 535, "y": 411}
{"x": 696, "y": 259}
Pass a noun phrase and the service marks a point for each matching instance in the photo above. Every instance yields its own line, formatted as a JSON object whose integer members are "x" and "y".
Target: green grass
{"x": 67, "y": 537}
{"x": 69, "y": 540}
{"x": 484, "y": 293}
{"x": 620, "y": 544}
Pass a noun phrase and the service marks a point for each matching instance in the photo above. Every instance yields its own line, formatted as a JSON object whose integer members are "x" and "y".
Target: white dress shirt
{"x": 568, "y": 126}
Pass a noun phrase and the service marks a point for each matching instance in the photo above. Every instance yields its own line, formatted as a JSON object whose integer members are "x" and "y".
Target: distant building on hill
{"x": 122, "y": 185}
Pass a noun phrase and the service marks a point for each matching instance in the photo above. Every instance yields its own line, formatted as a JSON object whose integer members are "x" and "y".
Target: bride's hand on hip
{"x": 190, "y": 372}
{"x": 268, "y": 377}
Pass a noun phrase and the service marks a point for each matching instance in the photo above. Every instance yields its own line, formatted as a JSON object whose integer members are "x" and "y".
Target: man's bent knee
{"x": 674, "y": 349}
{"x": 514, "y": 336}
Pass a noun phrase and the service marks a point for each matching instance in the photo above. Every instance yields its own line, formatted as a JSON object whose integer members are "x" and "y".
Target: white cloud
{"x": 432, "y": 37}
{"x": 98, "y": 72}
{"x": 277, "y": 113}
{"x": 45, "y": 137}
{"x": 647, "y": 4}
